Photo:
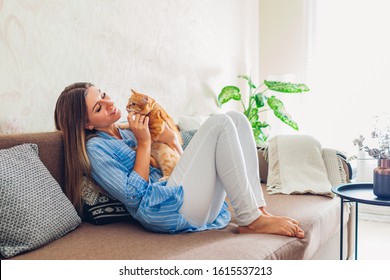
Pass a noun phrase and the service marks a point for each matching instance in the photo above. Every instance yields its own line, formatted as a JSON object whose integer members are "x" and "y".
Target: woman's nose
{"x": 108, "y": 103}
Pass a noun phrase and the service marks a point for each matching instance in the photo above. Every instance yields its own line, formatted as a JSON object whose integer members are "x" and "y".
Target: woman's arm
{"x": 169, "y": 137}
{"x": 139, "y": 125}
{"x": 112, "y": 169}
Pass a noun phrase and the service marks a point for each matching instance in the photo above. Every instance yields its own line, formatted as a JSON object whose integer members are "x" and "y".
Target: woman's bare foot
{"x": 265, "y": 212}
{"x": 274, "y": 225}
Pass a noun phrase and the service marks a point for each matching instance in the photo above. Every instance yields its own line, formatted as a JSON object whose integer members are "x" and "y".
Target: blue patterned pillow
{"x": 187, "y": 136}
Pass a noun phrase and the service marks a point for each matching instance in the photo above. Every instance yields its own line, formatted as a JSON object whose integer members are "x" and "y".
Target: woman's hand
{"x": 170, "y": 138}
{"x": 139, "y": 125}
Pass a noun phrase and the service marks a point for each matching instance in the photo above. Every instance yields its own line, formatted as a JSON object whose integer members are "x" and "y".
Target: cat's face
{"x": 140, "y": 103}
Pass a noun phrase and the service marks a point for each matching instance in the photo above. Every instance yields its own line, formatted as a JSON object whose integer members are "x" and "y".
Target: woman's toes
{"x": 300, "y": 233}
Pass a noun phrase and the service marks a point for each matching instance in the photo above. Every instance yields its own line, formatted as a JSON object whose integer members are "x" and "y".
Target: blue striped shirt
{"x": 155, "y": 205}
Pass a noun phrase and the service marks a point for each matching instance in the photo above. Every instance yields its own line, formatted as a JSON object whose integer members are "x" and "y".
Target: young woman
{"x": 220, "y": 159}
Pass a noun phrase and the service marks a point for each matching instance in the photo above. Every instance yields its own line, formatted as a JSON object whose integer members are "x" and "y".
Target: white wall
{"x": 283, "y": 42}
{"x": 180, "y": 52}
{"x": 283, "y": 38}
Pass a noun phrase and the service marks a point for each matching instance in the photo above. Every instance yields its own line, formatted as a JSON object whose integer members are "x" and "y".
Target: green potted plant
{"x": 259, "y": 101}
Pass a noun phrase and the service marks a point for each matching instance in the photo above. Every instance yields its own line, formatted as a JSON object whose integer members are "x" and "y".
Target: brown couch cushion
{"x": 319, "y": 217}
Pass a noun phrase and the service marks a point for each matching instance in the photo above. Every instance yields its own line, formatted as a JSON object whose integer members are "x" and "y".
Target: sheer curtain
{"x": 348, "y": 67}
{"x": 348, "y": 70}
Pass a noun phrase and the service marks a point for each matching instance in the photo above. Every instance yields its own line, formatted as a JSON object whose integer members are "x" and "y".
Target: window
{"x": 347, "y": 69}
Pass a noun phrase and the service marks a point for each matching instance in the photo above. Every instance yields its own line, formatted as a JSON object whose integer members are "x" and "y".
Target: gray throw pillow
{"x": 34, "y": 210}
{"x": 187, "y": 135}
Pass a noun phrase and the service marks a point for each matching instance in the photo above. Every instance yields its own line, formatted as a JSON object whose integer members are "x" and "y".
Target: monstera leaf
{"x": 286, "y": 87}
{"x": 280, "y": 112}
{"x": 258, "y": 133}
{"x": 258, "y": 101}
{"x": 228, "y": 93}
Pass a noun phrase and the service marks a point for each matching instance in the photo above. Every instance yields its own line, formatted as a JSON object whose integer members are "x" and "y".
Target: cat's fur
{"x": 162, "y": 156}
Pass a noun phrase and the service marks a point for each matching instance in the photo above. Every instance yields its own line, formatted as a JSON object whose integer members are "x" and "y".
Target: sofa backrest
{"x": 51, "y": 152}
{"x": 50, "y": 146}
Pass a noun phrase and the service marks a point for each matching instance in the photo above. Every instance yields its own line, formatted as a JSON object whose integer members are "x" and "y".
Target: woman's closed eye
{"x": 100, "y": 106}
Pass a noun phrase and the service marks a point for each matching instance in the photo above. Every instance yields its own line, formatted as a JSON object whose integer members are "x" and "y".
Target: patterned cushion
{"x": 34, "y": 210}
{"x": 101, "y": 208}
{"x": 187, "y": 136}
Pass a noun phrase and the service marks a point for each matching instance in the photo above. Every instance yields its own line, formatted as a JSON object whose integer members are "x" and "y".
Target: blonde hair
{"x": 70, "y": 118}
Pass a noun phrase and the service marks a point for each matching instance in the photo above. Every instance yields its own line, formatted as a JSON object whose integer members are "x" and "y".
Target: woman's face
{"x": 101, "y": 109}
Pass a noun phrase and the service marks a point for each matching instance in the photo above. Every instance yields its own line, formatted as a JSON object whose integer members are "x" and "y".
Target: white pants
{"x": 220, "y": 159}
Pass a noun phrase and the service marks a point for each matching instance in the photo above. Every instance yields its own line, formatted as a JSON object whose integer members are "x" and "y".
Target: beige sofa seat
{"x": 318, "y": 216}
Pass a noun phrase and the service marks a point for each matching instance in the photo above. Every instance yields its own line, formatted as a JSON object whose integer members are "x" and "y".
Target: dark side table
{"x": 358, "y": 193}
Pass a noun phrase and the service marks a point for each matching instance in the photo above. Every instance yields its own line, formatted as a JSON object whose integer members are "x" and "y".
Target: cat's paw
{"x": 153, "y": 162}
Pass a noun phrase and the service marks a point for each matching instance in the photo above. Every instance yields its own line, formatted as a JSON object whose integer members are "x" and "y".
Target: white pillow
{"x": 191, "y": 122}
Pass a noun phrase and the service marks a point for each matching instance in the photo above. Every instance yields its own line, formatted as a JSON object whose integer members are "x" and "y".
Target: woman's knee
{"x": 238, "y": 118}
{"x": 221, "y": 119}
{"x": 235, "y": 115}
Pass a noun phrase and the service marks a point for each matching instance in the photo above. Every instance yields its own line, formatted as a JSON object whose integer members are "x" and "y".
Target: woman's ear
{"x": 89, "y": 126}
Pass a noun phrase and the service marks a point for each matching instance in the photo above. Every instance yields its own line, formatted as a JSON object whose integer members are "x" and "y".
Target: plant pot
{"x": 263, "y": 165}
{"x": 382, "y": 179}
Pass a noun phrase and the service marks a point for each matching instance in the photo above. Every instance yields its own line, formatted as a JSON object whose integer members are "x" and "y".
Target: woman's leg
{"x": 265, "y": 223}
{"x": 249, "y": 149}
{"x": 213, "y": 163}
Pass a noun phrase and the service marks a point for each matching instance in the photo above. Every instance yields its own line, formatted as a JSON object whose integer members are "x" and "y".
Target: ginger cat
{"x": 162, "y": 156}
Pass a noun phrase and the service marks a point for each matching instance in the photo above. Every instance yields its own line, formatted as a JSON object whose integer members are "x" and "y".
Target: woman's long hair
{"x": 70, "y": 118}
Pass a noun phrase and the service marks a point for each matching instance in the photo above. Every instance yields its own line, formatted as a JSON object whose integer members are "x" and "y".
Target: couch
{"x": 319, "y": 217}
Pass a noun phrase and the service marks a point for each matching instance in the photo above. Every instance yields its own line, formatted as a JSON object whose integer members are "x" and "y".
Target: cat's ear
{"x": 145, "y": 99}
{"x": 133, "y": 91}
